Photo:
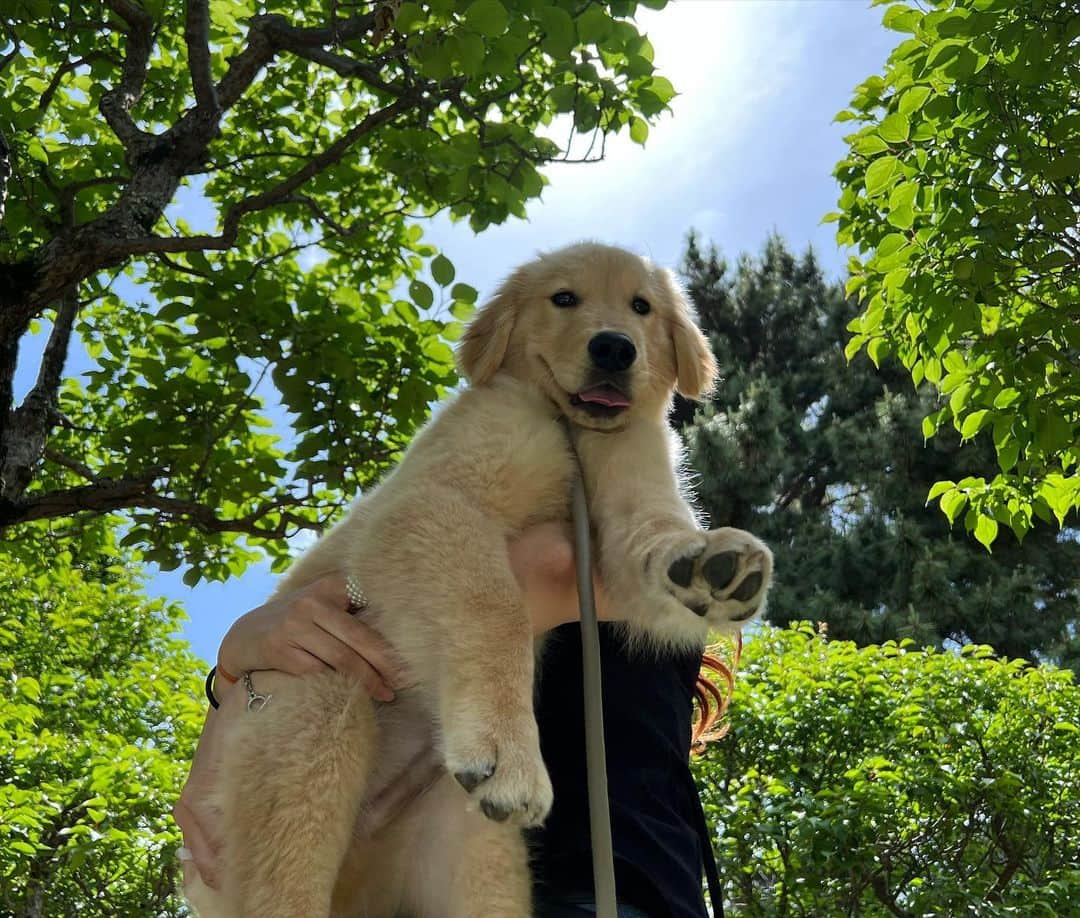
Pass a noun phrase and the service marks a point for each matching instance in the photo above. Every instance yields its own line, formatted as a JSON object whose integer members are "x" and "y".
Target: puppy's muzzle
{"x": 612, "y": 352}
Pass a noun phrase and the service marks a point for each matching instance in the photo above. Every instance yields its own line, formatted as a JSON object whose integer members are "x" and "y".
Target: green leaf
{"x": 877, "y": 349}
{"x": 1006, "y": 397}
{"x": 463, "y": 293}
{"x": 890, "y": 245}
{"x": 1008, "y": 454}
{"x": 952, "y": 502}
{"x": 986, "y": 530}
{"x": 1052, "y": 432}
{"x": 409, "y": 18}
{"x": 974, "y": 422}
{"x": 939, "y": 488}
{"x": 559, "y": 34}
{"x": 488, "y": 17}
{"x": 913, "y": 99}
{"x": 1067, "y": 166}
{"x": 854, "y": 346}
{"x": 901, "y": 18}
{"x": 880, "y": 174}
{"x": 662, "y": 88}
{"x": 869, "y": 145}
{"x": 903, "y": 196}
{"x": 639, "y": 130}
{"x": 593, "y": 25}
{"x": 964, "y": 268}
{"x": 36, "y": 151}
{"x": 469, "y": 50}
{"x": 421, "y": 294}
{"x": 895, "y": 128}
{"x": 442, "y": 270}
{"x": 564, "y": 97}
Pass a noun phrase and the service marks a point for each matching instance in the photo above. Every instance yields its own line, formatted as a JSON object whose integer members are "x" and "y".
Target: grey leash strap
{"x": 599, "y": 816}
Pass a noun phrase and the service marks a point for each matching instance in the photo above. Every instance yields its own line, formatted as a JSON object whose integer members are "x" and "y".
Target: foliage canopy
{"x": 310, "y": 138}
{"x": 961, "y": 192}
{"x": 100, "y": 709}
{"x": 886, "y": 781}
{"x": 824, "y": 458}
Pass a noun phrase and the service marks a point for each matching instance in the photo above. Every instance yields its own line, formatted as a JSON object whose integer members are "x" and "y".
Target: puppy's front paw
{"x": 506, "y": 777}
{"x": 721, "y": 575}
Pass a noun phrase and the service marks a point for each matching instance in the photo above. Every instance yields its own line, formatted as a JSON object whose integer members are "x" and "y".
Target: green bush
{"x": 889, "y": 781}
{"x": 99, "y": 712}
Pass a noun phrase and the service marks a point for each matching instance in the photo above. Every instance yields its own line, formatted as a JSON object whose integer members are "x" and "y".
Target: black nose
{"x": 612, "y": 351}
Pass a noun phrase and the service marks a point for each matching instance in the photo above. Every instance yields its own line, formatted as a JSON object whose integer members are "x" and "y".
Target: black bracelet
{"x": 210, "y": 688}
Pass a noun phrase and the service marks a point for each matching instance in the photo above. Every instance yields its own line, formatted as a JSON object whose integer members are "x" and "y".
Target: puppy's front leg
{"x": 490, "y": 739}
{"x": 656, "y": 562}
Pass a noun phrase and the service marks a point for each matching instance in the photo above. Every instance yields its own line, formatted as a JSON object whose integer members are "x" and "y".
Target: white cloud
{"x": 724, "y": 59}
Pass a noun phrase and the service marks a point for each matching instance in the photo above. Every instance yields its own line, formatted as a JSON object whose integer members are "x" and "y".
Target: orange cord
{"x": 712, "y": 699}
{"x": 225, "y": 674}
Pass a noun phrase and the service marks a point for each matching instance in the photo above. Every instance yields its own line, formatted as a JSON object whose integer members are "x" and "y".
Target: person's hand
{"x": 310, "y": 630}
{"x": 542, "y": 559}
{"x": 199, "y": 820}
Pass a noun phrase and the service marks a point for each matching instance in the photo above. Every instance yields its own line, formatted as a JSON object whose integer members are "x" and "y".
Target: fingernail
{"x": 184, "y": 854}
{"x": 385, "y": 693}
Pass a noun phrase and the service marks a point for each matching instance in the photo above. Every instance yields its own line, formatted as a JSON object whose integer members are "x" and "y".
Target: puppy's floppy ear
{"x": 695, "y": 365}
{"x": 694, "y": 361}
{"x": 482, "y": 348}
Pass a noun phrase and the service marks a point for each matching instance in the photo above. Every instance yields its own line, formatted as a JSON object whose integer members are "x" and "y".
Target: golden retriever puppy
{"x": 590, "y": 335}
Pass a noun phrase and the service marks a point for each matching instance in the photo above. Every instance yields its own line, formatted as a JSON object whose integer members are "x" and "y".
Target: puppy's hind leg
{"x": 464, "y": 864}
{"x": 493, "y": 875}
{"x": 294, "y": 777}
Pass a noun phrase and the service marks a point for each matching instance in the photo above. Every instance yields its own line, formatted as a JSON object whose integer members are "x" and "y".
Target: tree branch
{"x": 5, "y": 175}
{"x": 104, "y": 496}
{"x": 197, "y": 38}
{"x": 11, "y": 55}
{"x": 23, "y": 438}
{"x": 52, "y": 361}
{"x": 58, "y": 77}
{"x": 344, "y": 66}
{"x": 116, "y": 104}
{"x": 71, "y": 464}
{"x": 276, "y": 195}
{"x": 271, "y": 33}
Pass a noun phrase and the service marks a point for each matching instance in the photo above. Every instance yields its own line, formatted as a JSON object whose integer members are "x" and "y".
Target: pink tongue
{"x": 604, "y": 395}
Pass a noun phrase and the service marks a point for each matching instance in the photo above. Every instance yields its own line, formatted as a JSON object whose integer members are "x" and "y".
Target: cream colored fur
{"x": 429, "y": 546}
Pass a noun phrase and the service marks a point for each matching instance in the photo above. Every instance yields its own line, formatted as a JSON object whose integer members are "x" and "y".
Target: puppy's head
{"x": 603, "y": 333}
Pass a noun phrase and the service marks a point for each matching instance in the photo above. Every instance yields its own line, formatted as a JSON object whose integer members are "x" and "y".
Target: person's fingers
{"x": 187, "y": 864}
{"x": 340, "y": 657}
{"x": 331, "y": 589}
{"x": 200, "y": 852}
{"x": 367, "y": 643}
{"x": 296, "y": 661}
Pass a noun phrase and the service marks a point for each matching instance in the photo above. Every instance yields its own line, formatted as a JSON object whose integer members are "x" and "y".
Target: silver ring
{"x": 358, "y": 601}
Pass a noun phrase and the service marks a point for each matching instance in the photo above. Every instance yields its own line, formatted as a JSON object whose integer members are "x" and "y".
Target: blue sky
{"x": 748, "y": 149}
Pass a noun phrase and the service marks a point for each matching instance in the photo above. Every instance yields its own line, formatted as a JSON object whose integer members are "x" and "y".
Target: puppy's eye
{"x": 641, "y": 306}
{"x": 564, "y": 298}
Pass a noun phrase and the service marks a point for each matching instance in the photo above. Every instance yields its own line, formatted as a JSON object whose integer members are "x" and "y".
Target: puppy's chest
{"x": 506, "y": 452}
{"x": 532, "y": 482}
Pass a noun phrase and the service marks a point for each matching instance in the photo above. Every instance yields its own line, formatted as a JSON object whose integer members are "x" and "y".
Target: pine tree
{"x": 826, "y": 460}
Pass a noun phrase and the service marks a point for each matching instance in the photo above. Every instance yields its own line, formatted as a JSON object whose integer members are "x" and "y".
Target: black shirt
{"x": 648, "y": 703}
